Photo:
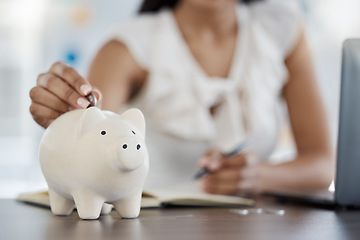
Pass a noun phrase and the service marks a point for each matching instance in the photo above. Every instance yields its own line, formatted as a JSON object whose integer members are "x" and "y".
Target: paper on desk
{"x": 152, "y": 198}
{"x": 185, "y": 196}
{"x": 42, "y": 199}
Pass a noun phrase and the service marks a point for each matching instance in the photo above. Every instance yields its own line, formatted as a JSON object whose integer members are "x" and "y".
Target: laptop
{"x": 347, "y": 180}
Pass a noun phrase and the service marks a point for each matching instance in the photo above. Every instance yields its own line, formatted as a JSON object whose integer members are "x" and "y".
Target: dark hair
{"x": 156, "y": 5}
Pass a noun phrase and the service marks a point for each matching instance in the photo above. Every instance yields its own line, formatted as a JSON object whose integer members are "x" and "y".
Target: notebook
{"x": 156, "y": 198}
{"x": 346, "y": 193}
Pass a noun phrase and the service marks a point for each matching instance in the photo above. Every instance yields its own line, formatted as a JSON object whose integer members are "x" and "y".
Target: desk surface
{"x": 23, "y": 221}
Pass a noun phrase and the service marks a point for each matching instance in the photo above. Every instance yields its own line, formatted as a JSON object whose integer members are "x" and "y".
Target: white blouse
{"x": 178, "y": 94}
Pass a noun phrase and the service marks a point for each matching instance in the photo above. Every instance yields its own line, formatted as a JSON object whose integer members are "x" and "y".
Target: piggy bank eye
{"x": 133, "y": 132}
{"x": 103, "y": 132}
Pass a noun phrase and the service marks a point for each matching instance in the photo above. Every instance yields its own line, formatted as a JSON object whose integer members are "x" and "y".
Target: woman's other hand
{"x": 230, "y": 175}
{"x": 57, "y": 91}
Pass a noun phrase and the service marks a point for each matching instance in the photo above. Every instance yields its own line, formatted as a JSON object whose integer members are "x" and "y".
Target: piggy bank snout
{"x": 131, "y": 153}
{"x": 125, "y": 146}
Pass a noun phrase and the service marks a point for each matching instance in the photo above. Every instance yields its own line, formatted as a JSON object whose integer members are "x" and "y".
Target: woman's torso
{"x": 178, "y": 93}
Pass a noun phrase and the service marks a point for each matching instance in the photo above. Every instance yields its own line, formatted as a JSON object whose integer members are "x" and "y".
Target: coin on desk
{"x": 279, "y": 212}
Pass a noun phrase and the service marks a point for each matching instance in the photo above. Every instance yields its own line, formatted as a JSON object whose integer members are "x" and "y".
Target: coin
{"x": 92, "y": 99}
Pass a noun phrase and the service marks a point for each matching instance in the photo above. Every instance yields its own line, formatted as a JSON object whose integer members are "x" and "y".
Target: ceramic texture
{"x": 91, "y": 157}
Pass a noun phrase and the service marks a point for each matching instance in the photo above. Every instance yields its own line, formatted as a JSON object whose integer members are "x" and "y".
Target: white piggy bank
{"x": 90, "y": 157}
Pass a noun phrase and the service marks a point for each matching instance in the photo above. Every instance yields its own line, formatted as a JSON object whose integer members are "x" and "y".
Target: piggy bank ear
{"x": 89, "y": 119}
{"x": 136, "y": 118}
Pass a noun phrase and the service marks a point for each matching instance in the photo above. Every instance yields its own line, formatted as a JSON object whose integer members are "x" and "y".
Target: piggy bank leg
{"x": 106, "y": 209}
{"x": 60, "y": 205}
{"x": 88, "y": 204}
{"x": 129, "y": 207}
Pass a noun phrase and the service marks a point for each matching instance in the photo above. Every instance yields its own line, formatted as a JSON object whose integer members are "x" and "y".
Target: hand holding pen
{"x": 205, "y": 170}
{"x": 228, "y": 174}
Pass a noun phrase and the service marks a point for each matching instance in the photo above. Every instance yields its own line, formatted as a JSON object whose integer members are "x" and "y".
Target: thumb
{"x": 211, "y": 160}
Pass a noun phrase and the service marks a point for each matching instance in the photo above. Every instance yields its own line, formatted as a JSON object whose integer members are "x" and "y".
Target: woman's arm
{"x": 314, "y": 165}
{"x": 313, "y": 168}
{"x": 116, "y": 74}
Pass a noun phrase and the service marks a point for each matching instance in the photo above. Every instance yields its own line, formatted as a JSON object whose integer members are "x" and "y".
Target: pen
{"x": 205, "y": 171}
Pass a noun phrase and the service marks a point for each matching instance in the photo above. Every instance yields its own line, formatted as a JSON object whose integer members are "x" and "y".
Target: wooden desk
{"x": 23, "y": 221}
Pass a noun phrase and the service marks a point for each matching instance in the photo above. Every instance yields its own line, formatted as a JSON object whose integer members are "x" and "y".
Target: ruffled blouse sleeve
{"x": 280, "y": 21}
{"x": 135, "y": 34}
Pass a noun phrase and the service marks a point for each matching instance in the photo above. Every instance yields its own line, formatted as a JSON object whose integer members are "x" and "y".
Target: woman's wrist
{"x": 263, "y": 182}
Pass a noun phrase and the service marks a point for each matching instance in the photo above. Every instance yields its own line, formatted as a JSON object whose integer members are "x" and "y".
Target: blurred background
{"x": 36, "y": 33}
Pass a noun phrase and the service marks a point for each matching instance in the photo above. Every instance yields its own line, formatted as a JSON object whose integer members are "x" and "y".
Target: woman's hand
{"x": 57, "y": 91}
{"x": 230, "y": 175}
